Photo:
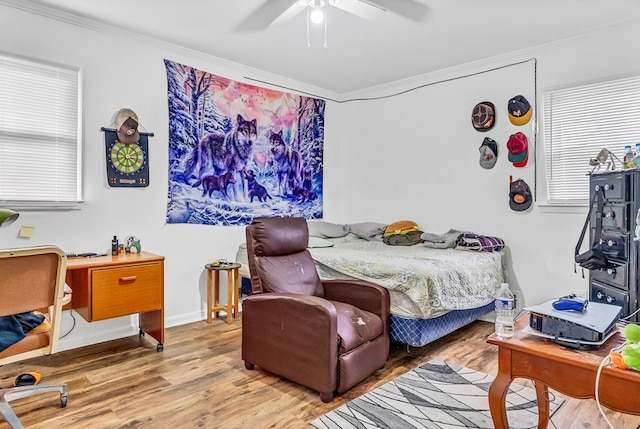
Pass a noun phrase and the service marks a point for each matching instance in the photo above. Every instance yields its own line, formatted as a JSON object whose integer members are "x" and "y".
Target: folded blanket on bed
{"x": 406, "y": 239}
{"x": 441, "y": 241}
{"x": 483, "y": 243}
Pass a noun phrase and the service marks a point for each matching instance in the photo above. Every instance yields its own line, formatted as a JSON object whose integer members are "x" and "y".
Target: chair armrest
{"x": 302, "y": 319}
{"x": 359, "y": 293}
{"x": 294, "y": 336}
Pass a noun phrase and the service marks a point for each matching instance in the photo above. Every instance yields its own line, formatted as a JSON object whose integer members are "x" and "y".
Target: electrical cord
{"x": 535, "y": 60}
{"x": 604, "y": 362}
{"x": 72, "y": 326}
{"x": 624, "y": 321}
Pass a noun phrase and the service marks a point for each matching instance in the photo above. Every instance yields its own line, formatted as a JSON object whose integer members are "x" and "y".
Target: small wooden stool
{"x": 232, "y": 290}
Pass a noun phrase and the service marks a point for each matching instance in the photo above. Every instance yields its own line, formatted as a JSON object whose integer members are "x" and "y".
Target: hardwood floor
{"x": 199, "y": 381}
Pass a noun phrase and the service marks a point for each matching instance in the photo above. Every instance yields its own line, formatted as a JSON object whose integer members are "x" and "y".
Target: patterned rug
{"x": 437, "y": 395}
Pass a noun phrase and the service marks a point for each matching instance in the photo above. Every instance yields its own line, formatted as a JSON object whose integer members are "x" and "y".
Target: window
{"x": 578, "y": 123}
{"x": 39, "y": 148}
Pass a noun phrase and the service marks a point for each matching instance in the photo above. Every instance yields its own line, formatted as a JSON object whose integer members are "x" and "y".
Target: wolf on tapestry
{"x": 238, "y": 151}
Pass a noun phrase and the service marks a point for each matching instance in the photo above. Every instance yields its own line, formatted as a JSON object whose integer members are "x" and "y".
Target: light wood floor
{"x": 199, "y": 381}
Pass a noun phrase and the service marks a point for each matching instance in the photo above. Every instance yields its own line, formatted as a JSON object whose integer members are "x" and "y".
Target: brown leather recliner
{"x": 325, "y": 335}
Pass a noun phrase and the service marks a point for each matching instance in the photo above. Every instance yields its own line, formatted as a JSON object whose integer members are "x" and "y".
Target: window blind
{"x": 578, "y": 123}
{"x": 39, "y": 147}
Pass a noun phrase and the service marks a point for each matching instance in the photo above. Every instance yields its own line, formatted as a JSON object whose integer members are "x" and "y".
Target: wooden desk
{"x": 568, "y": 371}
{"x": 232, "y": 290}
{"x": 112, "y": 286}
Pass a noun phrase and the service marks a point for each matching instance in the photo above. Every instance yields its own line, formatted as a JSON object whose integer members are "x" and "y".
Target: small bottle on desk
{"x": 114, "y": 246}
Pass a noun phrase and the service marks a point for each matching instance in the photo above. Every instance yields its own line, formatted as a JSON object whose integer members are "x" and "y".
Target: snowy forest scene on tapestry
{"x": 238, "y": 151}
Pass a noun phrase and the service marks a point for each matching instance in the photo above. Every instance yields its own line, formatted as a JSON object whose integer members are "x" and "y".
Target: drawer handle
{"x": 610, "y": 214}
{"x": 609, "y": 243}
{"x": 608, "y": 187}
{"x": 611, "y": 271}
{"x": 128, "y": 278}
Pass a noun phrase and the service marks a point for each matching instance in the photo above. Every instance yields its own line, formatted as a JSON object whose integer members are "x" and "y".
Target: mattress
{"x": 423, "y": 283}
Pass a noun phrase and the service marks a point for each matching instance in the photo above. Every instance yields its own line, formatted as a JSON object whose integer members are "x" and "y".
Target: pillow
{"x": 326, "y": 229}
{"x": 401, "y": 227}
{"x": 371, "y": 231}
{"x": 318, "y": 242}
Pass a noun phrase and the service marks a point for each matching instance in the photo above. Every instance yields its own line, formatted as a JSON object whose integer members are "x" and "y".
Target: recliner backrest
{"x": 278, "y": 257}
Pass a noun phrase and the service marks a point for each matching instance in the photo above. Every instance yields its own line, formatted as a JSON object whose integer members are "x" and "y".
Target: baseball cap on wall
{"x": 127, "y": 126}
{"x": 519, "y": 110}
{"x": 483, "y": 116}
{"x": 488, "y": 153}
{"x": 518, "y": 146}
{"x": 519, "y": 195}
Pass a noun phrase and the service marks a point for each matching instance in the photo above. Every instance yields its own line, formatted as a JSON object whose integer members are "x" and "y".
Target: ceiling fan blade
{"x": 359, "y": 8}
{"x": 266, "y": 14}
{"x": 288, "y": 14}
{"x": 410, "y": 9}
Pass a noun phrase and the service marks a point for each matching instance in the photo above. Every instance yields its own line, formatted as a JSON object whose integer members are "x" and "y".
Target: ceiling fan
{"x": 277, "y": 11}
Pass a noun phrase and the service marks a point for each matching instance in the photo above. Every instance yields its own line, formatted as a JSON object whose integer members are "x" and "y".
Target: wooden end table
{"x": 213, "y": 271}
{"x": 571, "y": 372}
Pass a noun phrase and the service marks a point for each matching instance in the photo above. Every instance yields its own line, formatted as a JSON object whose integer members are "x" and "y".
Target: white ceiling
{"x": 361, "y": 53}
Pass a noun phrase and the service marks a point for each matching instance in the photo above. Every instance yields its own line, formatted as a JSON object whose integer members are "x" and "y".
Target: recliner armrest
{"x": 294, "y": 336}
{"x": 292, "y": 312}
{"x": 359, "y": 293}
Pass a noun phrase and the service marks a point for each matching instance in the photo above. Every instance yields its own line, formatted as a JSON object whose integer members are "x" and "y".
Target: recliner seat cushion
{"x": 355, "y": 326}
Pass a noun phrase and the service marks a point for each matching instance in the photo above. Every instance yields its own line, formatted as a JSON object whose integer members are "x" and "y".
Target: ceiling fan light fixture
{"x": 316, "y": 11}
{"x": 316, "y": 22}
{"x": 316, "y": 16}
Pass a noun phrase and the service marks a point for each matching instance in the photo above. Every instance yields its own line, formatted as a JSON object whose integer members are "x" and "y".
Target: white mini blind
{"x": 578, "y": 123}
{"x": 39, "y": 147}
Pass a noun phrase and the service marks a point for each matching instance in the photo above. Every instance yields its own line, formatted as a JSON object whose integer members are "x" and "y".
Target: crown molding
{"x": 277, "y": 82}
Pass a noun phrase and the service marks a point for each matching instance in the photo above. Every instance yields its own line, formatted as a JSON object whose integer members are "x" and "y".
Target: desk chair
{"x": 31, "y": 278}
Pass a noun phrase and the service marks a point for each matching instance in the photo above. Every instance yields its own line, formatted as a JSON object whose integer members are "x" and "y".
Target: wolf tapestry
{"x": 238, "y": 151}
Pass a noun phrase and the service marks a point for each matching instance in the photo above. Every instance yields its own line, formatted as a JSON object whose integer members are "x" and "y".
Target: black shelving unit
{"x": 618, "y": 283}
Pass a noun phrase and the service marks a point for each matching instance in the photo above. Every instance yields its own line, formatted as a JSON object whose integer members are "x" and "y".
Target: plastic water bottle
{"x": 505, "y": 310}
{"x": 627, "y": 161}
{"x": 636, "y": 158}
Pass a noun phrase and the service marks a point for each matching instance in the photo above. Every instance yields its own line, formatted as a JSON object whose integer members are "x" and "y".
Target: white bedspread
{"x": 435, "y": 280}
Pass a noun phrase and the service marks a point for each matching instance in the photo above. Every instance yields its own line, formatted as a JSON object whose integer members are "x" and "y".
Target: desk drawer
{"x": 607, "y": 295}
{"x": 615, "y": 274}
{"x": 616, "y": 186}
{"x": 615, "y": 216}
{"x": 125, "y": 290}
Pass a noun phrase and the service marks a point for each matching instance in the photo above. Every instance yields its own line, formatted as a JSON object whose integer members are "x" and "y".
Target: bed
{"x": 433, "y": 291}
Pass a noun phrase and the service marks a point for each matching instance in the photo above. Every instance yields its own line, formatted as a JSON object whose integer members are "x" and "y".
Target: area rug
{"x": 437, "y": 395}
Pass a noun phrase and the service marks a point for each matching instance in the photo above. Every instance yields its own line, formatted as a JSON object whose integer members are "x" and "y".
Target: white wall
{"x": 122, "y": 71}
{"x": 412, "y": 157}
{"x": 415, "y": 156}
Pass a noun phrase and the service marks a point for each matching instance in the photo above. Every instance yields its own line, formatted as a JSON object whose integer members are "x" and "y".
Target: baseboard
{"x": 98, "y": 336}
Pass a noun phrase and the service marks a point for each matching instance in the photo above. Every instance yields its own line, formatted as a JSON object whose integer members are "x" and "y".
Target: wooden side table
{"x": 569, "y": 371}
{"x": 213, "y": 271}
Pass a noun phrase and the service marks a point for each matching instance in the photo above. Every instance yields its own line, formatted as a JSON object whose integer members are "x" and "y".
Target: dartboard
{"x": 127, "y": 163}
{"x": 126, "y": 158}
